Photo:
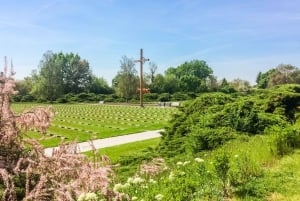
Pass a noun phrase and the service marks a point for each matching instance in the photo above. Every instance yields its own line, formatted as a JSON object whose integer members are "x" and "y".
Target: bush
{"x": 179, "y": 96}
{"x": 287, "y": 139}
{"x": 164, "y": 97}
{"x": 151, "y": 97}
{"x": 62, "y": 100}
{"x": 207, "y": 139}
{"x": 28, "y": 98}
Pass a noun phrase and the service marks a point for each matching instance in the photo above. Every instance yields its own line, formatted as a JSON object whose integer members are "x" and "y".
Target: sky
{"x": 237, "y": 38}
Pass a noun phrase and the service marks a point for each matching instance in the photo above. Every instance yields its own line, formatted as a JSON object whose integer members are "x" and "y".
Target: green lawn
{"x": 81, "y": 122}
{"x": 117, "y": 152}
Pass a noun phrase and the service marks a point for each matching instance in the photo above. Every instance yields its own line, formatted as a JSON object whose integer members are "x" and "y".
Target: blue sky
{"x": 237, "y": 38}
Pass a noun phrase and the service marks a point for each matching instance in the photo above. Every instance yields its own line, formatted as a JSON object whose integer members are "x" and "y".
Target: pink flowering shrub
{"x": 64, "y": 176}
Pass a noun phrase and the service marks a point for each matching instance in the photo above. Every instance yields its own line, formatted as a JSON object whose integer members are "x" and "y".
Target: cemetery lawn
{"x": 115, "y": 153}
{"x": 82, "y": 122}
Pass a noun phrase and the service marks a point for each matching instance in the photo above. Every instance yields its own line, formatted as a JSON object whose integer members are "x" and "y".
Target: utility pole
{"x": 142, "y": 60}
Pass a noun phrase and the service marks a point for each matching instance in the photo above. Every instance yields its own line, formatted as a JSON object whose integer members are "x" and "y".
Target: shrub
{"x": 207, "y": 138}
{"x": 222, "y": 166}
{"x": 287, "y": 139}
{"x": 164, "y": 97}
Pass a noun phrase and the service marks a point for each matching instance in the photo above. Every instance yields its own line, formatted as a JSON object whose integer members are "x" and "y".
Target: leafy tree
{"x": 225, "y": 87}
{"x": 153, "y": 69}
{"x": 212, "y": 83}
{"x": 61, "y": 74}
{"x": 263, "y": 79}
{"x": 158, "y": 84}
{"x": 240, "y": 85}
{"x": 24, "y": 86}
{"x": 76, "y": 73}
{"x": 100, "y": 86}
{"x": 284, "y": 74}
{"x": 49, "y": 82}
{"x": 171, "y": 84}
{"x": 126, "y": 81}
{"x": 191, "y": 76}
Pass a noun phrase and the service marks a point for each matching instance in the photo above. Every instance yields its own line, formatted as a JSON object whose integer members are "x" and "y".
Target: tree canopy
{"x": 64, "y": 73}
{"x": 126, "y": 81}
{"x": 282, "y": 74}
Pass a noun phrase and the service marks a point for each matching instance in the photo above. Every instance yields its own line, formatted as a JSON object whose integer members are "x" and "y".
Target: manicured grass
{"x": 81, "y": 122}
{"x": 117, "y": 152}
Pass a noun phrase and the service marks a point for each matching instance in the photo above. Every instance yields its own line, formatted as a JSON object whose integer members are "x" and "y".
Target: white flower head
{"x": 138, "y": 180}
{"x": 186, "y": 162}
{"x": 118, "y": 187}
{"x": 91, "y": 197}
{"x": 159, "y": 197}
{"x": 199, "y": 160}
{"x": 179, "y": 163}
{"x": 152, "y": 181}
{"x": 171, "y": 176}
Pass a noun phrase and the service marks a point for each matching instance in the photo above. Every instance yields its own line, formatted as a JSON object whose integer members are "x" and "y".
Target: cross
{"x": 142, "y": 60}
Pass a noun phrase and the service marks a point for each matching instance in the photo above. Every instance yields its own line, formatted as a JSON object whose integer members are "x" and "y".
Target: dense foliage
{"x": 282, "y": 74}
{"x": 213, "y": 118}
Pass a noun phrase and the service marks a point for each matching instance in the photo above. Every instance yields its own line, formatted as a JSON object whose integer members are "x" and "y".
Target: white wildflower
{"x": 179, "y": 163}
{"x": 186, "y": 162}
{"x": 130, "y": 180}
{"x": 137, "y": 180}
{"x": 199, "y": 160}
{"x": 126, "y": 185}
{"x": 118, "y": 187}
{"x": 181, "y": 173}
{"x": 171, "y": 176}
{"x": 91, "y": 197}
{"x": 159, "y": 197}
{"x": 152, "y": 181}
{"x": 81, "y": 197}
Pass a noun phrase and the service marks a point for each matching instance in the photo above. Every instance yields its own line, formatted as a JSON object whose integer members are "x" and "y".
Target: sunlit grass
{"x": 115, "y": 153}
{"x": 81, "y": 122}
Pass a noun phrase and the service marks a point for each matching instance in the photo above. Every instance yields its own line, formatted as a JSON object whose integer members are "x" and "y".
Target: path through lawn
{"x": 112, "y": 141}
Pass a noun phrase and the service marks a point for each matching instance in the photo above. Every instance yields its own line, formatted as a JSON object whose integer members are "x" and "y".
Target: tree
{"x": 263, "y": 79}
{"x": 77, "y": 75}
{"x": 61, "y": 74}
{"x": 171, "y": 84}
{"x": 152, "y": 68}
{"x": 240, "y": 85}
{"x": 284, "y": 74}
{"x": 127, "y": 80}
{"x": 225, "y": 87}
{"x": 49, "y": 81}
{"x": 158, "y": 84}
{"x": 100, "y": 86}
{"x": 212, "y": 83}
{"x": 191, "y": 76}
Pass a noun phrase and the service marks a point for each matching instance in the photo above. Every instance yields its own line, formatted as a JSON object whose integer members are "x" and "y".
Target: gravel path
{"x": 112, "y": 141}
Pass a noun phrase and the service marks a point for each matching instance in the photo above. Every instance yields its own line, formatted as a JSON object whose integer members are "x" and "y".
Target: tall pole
{"x": 142, "y": 60}
{"x": 141, "y": 79}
